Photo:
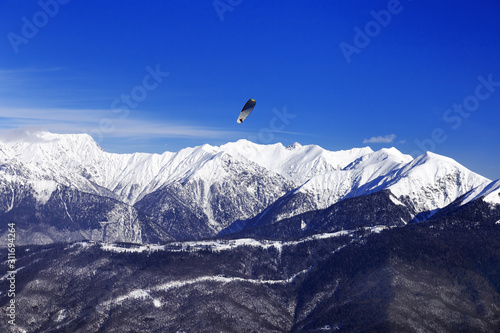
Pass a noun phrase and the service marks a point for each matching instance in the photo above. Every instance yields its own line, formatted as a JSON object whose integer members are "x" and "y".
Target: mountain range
{"x": 246, "y": 238}
{"x": 66, "y": 188}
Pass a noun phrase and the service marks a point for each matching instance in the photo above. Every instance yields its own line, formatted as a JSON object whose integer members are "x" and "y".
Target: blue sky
{"x": 162, "y": 75}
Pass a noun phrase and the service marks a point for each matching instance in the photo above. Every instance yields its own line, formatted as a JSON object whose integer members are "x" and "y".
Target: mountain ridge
{"x": 205, "y": 189}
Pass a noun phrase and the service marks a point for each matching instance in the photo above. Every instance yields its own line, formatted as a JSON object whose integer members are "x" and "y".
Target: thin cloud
{"x": 53, "y": 114}
{"x": 27, "y": 134}
{"x": 28, "y": 70}
{"x": 381, "y": 139}
{"x": 104, "y": 123}
{"x": 145, "y": 128}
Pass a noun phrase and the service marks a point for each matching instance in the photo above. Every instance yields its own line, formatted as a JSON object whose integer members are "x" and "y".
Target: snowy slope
{"x": 350, "y": 181}
{"x": 424, "y": 184}
{"x": 296, "y": 162}
{"x": 216, "y": 186}
{"x": 489, "y": 192}
{"x": 429, "y": 182}
{"x": 76, "y": 160}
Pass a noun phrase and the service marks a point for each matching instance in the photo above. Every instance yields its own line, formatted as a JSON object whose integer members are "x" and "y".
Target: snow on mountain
{"x": 46, "y": 158}
{"x": 208, "y": 197}
{"x": 296, "y": 162}
{"x": 76, "y": 160}
{"x": 198, "y": 162}
{"x": 424, "y": 184}
{"x": 216, "y": 186}
{"x": 329, "y": 188}
{"x": 489, "y": 192}
{"x": 429, "y": 182}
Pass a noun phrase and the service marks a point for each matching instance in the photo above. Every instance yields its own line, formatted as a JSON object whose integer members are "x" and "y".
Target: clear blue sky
{"x": 340, "y": 74}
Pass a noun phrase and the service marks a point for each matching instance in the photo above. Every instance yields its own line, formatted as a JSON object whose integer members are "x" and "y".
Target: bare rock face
{"x": 70, "y": 215}
{"x": 198, "y": 207}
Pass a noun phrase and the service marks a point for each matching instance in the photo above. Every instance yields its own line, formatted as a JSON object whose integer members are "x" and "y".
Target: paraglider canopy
{"x": 247, "y": 109}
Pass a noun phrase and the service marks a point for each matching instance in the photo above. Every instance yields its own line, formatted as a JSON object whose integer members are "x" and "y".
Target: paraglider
{"x": 247, "y": 109}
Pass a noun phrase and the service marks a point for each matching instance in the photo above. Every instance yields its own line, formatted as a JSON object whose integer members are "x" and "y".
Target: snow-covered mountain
{"x": 313, "y": 241}
{"x": 196, "y": 192}
{"x": 424, "y": 184}
{"x": 488, "y": 192}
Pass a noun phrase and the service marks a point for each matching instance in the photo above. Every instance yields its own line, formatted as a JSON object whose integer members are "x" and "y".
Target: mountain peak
{"x": 293, "y": 146}
{"x": 391, "y": 150}
{"x": 217, "y": 185}
{"x": 77, "y": 160}
{"x": 429, "y": 155}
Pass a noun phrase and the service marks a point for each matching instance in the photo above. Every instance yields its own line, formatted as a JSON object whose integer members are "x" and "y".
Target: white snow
{"x": 430, "y": 181}
{"x": 297, "y": 164}
{"x": 395, "y": 201}
{"x": 140, "y": 294}
{"x": 493, "y": 198}
{"x": 132, "y": 248}
{"x": 42, "y": 160}
{"x": 11, "y": 204}
{"x": 61, "y": 315}
{"x": 319, "y": 236}
{"x": 9, "y": 273}
{"x": 135, "y": 294}
{"x": 225, "y": 245}
{"x": 43, "y": 189}
{"x": 489, "y": 192}
{"x": 378, "y": 229}
{"x": 224, "y": 280}
{"x": 65, "y": 208}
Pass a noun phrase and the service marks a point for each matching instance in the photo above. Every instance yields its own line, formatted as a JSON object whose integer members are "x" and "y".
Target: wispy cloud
{"x": 27, "y": 70}
{"x": 104, "y": 123}
{"x": 9, "y": 78}
{"x": 49, "y": 87}
{"x": 145, "y": 128}
{"x": 53, "y": 114}
{"x": 26, "y": 134}
{"x": 381, "y": 139}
